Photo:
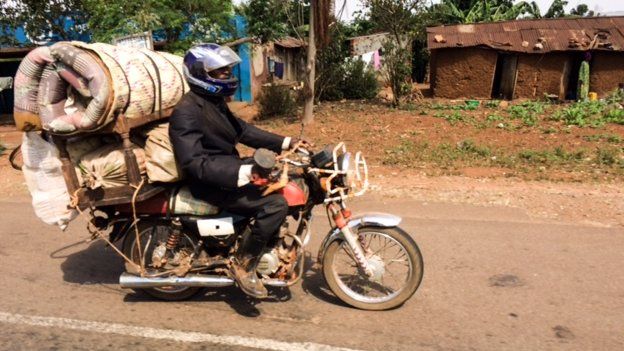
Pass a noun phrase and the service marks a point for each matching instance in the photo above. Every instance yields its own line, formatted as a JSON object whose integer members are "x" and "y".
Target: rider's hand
{"x": 295, "y": 141}
{"x": 258, "y": 180}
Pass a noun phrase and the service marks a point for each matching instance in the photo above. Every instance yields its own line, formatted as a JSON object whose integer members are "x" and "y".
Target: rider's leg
{"x": 269, "y": 213}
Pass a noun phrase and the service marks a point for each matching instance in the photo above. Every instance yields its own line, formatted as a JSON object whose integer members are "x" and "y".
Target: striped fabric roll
{"x": 74, "y": 86}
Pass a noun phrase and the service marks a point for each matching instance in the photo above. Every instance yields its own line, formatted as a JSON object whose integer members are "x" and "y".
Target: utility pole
{"x": 308, "y": 107}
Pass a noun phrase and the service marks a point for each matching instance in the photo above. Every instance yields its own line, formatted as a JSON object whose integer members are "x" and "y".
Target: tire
{"x": 338, "y": 253}
{"x": 160, "y": 229}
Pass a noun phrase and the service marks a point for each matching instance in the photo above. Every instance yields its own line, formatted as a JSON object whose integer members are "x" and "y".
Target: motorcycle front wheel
{"x": 151, "y": 234}
{"x": 395, "y": 260}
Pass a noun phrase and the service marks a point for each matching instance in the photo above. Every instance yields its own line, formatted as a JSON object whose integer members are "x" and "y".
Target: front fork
{"x": 341, "y": 215}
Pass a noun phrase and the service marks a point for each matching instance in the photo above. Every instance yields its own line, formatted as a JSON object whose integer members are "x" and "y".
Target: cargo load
{"x": 160, "y": 160}
{"x": 105, "y": 167}
{"x": 105, "y": 138}
{"x": 45, "y": 181}
{"x": 77, "y": 87}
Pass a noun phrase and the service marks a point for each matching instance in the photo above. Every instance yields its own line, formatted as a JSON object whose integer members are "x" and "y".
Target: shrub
{"x": 359, "y": 81}
{"x": 276, "y": 100}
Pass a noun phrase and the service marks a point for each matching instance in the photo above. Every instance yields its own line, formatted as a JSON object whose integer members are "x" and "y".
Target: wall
{"x": 540, "y": 74}
{"x": 463, "y": 73}
{"x": 294, "y": 66}
{"x": 606, "y": 72}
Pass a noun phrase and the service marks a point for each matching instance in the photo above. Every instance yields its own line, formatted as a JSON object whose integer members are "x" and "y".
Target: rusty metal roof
{"x": 533, "y": 35}
{"x": 290, "y": 42}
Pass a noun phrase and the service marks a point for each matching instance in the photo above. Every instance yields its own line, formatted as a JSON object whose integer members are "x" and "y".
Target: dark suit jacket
{"x": 204, "y": 134}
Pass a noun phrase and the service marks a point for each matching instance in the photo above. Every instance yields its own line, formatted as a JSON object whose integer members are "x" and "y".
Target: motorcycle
{"x": 175, "y": 245}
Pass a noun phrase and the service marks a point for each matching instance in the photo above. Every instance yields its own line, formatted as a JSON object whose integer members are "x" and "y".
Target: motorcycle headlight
{"x": 347, "y": 165}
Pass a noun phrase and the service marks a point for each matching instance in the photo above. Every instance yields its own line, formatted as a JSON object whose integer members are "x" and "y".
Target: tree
{"x": 267, "y": 20}
{"x": 401, "y": 19}
{"x": 43, "y": 19}
{"x": 556, "y": 9}
{"x": 581, "y": 10}
{"x": 273, "y": 19}
{"x": 181, "y": 22}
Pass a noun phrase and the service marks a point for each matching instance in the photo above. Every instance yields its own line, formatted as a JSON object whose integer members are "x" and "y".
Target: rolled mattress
{"x": 77, "y": 87}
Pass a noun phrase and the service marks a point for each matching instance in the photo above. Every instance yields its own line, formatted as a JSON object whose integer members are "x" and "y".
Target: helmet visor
{"x": 215, "y": 59}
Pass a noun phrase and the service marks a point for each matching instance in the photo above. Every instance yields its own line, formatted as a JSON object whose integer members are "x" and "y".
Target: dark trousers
{"x": 269, "y": 211}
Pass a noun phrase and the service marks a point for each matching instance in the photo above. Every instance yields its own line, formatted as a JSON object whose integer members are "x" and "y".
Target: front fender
{"x": 383, "y": 220}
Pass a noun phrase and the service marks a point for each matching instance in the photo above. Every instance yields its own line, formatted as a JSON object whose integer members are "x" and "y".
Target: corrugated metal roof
{"x": 290, "y": 42}
{"x": 534, "y": 35}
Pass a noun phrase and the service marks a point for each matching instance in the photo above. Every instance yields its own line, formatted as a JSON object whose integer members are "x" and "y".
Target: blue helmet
{"x": 203, "y": 59}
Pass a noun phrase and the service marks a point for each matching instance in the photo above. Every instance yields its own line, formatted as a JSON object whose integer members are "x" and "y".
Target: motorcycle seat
{"x": 182, "y": 202}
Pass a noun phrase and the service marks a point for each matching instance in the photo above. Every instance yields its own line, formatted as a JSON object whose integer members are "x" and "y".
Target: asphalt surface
{"x": 495, "y": 279}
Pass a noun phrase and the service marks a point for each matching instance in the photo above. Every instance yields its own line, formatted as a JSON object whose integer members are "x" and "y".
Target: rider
{"x": 204, "y": 134}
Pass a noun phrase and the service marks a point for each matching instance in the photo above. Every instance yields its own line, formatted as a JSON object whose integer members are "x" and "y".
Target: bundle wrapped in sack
{"x": 44, "y": 178}
{"x": 78, "y": 147}
{"x": 74, "y": 86}
{"x": 105, "y": 167}
{"x": 160, "y": 164}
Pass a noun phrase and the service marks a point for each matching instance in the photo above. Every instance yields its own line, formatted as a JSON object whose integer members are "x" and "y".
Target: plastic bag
{"x": 44, "y": 178}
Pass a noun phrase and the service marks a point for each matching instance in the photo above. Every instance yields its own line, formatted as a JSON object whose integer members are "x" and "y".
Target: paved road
{"x": 494, "y": 279}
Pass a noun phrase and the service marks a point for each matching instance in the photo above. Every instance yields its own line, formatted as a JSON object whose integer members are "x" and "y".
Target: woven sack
{"x": 160, "y": 163}
{"x": 106, "y": 167}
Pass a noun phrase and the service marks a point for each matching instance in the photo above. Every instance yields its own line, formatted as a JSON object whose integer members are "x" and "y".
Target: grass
{"x": 593, "y": 114}
{"x": 528, "y": 112}
{"x": 446, "y": 154}
{"x": 467, "y": 153}
{"x": 452, "y": 118}
{"x": 2, "y": 148}
{"x": 546, "y": 124}
{"x": 609, "y": 138}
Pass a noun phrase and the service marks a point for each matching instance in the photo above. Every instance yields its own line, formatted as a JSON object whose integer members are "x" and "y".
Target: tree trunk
{"x": 308, "y": 107}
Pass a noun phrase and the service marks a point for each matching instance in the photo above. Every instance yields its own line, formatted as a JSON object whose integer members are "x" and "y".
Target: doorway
{"x": 505, "y": 76}
{"x": 571, "y": 75}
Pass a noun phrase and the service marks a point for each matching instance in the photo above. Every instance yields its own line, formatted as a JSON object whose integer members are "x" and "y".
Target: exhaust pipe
{"x": 129, "y": 281}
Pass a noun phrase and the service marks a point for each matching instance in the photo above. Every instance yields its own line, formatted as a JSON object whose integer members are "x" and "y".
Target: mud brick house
{"x": 525, "y": 58}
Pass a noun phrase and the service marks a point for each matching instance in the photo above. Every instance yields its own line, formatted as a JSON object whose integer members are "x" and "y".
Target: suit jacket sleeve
{"x": 200, "y": 164}
{"x": 257, "y": 138}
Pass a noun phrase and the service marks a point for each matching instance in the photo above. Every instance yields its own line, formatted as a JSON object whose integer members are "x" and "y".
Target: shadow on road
{"x": 314, "y": 284}
{"x": 89, "y": 263}
{"x": 96, "y": 263}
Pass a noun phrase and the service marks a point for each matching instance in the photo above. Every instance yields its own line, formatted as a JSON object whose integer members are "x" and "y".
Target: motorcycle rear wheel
{"x": 395, "y": 259}
{"x": 150, "y": 234}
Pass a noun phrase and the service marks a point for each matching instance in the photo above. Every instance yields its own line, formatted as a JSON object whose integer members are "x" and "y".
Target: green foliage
{"x": 359, "y": 82}
{"x": 276, "y": 100}
{"x": 557, "y": 9}
{"x": 469, "y": 147}
{"x": 592, "y": 113}
{"x": 492, "y": 104}
{"x": 608, "y": 156}
{"x": 330, "y": 68}
{"x": 273, "y": 19}
{"x": 452, "y": 118}
{"x": 40, "y": 18}
{"x": 401, "y": 18}
{"x": 397, "y": 70}
{"x": 582, "y": 10}
{"x": 266, "y": 18}
{"x": 2, "y": 147}
{"x": 527, "y": 111}
{"x": 339, "y": 77}
{"x": 410, "y": 153}
{"x": 551, "y": 157}
{"x": 200, "y": 21}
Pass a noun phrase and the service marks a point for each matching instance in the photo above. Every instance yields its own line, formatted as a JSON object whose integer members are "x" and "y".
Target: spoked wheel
{"x": 395, "y": 260}
{"x": 151, "y": 235}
